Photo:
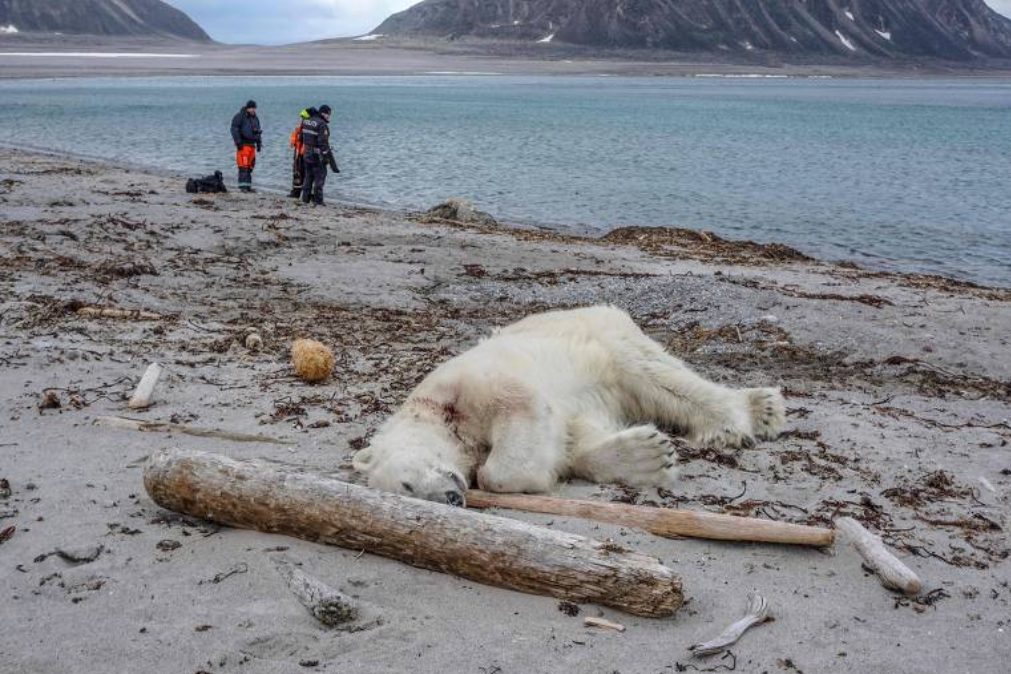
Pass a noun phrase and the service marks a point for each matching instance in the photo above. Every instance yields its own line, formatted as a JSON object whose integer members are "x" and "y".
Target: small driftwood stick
{"x": 591, "y": 621}
{"x": 661, "y": 521}
{"x": 327, "y": 605}
{"x": 893, "y": 573}
{"x": 758, "y": 612}
{"x": 112, "y": 312}
{"x": 487, "y": 549}
{"x": 145, "y": 389}
{"x": 128, "y": 424}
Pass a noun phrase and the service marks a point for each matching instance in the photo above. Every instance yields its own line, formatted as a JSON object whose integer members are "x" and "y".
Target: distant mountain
{"x": 945, "y": 29}
{"x": 99, "y": 17}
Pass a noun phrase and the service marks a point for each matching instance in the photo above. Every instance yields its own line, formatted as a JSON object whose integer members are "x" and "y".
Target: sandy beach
{"x": 898, "y": 393}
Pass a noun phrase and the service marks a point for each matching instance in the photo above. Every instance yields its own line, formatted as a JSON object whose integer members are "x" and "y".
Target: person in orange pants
{"x": 247, "y": 136}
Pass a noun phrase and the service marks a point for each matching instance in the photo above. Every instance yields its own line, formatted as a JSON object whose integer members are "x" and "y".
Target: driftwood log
{"x": 661, "y": 521}
{"x": 487, "y": 549}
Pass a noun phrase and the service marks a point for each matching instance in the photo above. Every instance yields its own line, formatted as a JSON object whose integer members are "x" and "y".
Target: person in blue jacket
{"x": 247, "y": 136}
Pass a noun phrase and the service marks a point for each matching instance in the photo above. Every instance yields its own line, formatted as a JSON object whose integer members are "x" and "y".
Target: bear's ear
{"x": 363, "y": 459}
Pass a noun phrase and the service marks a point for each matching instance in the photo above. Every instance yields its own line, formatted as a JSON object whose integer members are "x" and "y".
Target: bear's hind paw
{"x": 641, "y": 456}
{"x": 768, "y": 412}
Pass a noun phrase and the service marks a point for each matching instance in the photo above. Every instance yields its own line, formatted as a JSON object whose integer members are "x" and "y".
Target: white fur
{"x": 568, "y": 393}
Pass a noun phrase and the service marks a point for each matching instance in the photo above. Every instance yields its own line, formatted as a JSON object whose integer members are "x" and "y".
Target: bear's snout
{"x": 455, "y": 498}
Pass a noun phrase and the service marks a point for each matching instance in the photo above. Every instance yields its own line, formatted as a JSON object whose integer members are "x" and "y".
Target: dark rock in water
{"x": 945, "y": 29}
{"x": 100, "y": 17}
{"x": 461, "y": 211}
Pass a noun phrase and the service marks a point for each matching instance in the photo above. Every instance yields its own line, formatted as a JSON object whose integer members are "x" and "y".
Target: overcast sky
{"x": 1002, "y": 6}
{"x": 282, "y": 21}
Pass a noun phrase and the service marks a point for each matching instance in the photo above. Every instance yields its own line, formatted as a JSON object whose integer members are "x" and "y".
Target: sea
{"x": 899, "y": 174}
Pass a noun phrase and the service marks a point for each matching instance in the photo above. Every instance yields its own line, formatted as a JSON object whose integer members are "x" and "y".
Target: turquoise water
{"x": 901, "y": 174}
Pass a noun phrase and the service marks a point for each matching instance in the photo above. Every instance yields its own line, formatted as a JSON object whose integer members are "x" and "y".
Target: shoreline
{"x": 899, "y": 414}
{"x": 750, "y": 75}
{"x": 652, "y": 235}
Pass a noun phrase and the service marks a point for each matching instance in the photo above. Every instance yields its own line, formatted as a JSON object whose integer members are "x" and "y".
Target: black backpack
{"x": 207, "y": 184}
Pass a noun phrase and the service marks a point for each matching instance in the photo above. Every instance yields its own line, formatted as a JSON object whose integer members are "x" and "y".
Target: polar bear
{"x": 577, "y": 393}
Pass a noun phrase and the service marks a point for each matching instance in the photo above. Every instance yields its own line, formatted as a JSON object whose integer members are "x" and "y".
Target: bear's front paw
{"x": 768, "y": 412}
{"x": 513, "y": 480}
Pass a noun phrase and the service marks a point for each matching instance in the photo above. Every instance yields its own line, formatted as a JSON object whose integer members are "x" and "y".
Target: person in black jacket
{"x": 317, "y": 155}
{"x": 247, "y": 136}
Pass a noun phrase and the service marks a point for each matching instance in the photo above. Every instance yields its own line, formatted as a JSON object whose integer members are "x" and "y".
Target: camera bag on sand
{"x": 208, "y": 184}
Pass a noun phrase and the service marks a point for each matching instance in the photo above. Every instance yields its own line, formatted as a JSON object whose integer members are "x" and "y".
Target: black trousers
{"x": 245, "y": 178}
{"x": 315, "y": 179}
{"x": 297, "y": 174}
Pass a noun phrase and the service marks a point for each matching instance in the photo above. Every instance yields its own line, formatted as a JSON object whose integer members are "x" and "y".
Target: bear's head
{"x": 421, "y": 460}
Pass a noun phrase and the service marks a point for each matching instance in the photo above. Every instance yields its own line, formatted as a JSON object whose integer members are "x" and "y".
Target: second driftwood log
{"x": 487, "y": 549}
{"x": 661, "y": 521}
